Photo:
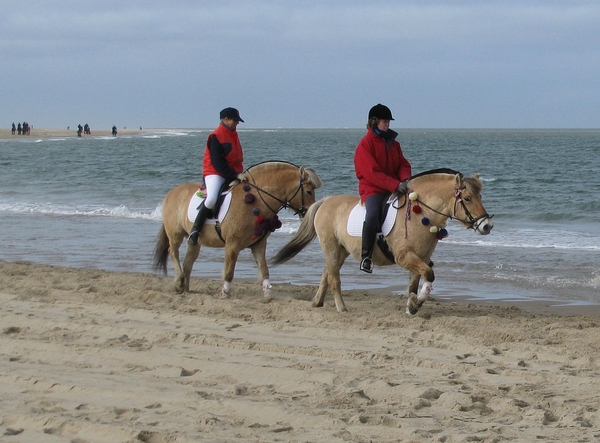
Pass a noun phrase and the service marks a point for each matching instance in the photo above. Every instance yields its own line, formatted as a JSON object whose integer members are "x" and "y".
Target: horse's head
{"x": 305, "y": 195}
{"x": 281, "y": 184}
{"x": 468, "y": 208}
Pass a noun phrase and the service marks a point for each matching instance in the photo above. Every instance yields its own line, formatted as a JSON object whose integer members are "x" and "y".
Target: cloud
{"x": 463, "y": 63}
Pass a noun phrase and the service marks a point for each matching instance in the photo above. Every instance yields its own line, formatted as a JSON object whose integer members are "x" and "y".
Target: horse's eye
{"x": 309, "y": 192}
{"x": 467, "y": 199}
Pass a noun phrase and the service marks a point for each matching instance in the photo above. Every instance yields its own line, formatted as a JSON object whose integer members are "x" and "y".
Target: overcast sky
{"x": 318, "y": 64}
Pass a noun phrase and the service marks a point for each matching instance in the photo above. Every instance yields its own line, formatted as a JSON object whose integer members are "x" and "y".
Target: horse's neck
{"x": 437, "y": 193}
{"x": 273, "y": 180}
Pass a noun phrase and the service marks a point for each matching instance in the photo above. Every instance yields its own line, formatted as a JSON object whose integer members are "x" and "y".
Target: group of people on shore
{"x": 21, "y": 129}
{"x": 83, "y": 129}
{"x": 380, "y": 167}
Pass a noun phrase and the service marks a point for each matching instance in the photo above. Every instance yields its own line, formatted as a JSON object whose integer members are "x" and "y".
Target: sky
{"x": 300, "y": 64}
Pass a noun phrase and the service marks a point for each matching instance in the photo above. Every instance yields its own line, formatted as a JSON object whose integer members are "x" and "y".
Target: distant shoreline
{"x": 61, "y": 133}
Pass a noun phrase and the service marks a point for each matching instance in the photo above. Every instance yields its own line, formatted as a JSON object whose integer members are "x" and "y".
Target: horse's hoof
{"x": 412, "y": 304}
{"x": 225, "y": 295}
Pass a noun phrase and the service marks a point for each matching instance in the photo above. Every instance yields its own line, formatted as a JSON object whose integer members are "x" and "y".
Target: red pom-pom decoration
{"x": 249, "y": 198}
{"x": 416, "y": 209}
{"x": 259, "y": 219}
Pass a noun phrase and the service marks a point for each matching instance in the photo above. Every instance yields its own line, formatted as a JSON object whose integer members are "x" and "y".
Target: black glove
{"x": 403, "y": 187}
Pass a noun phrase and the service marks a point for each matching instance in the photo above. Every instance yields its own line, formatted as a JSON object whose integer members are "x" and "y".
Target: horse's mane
{"x": 271, "y": 163}
{"x": 437, "y": 171}
{"x": 474, "y": 183}
{"x": 313, "y": 178}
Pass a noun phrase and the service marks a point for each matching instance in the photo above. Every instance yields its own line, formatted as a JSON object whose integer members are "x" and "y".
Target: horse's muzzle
{"x": 484, "y": 225}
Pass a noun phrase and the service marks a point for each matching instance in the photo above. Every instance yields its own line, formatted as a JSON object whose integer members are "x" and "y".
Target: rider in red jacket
{"x": 381, "y": 169}
{"x": 222, "y": 164}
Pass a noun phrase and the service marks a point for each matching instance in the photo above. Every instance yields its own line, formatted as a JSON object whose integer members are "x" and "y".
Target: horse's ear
{"x": 302, "y": 171}
{"x": 458, "y": 180}
{"x": 477, "y": 176}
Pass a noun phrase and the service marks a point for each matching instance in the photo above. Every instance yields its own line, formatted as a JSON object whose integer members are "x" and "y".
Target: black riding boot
{"x": 203, "y": 214}
{"x": 368, "y": 242}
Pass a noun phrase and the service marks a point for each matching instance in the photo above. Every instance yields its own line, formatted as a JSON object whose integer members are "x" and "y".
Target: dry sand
{"x": 95, "y": 356}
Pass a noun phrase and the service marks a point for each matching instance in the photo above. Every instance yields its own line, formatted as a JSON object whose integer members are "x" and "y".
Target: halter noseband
{"x": 472, "y": 223}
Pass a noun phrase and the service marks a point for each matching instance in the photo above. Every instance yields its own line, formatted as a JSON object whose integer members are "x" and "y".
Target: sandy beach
{"x": 95, "y": 356}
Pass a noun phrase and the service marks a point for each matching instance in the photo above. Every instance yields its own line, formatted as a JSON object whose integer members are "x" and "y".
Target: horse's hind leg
{"x": 334, "y": 259}
{"x": 188, "y": 263}
{"x": 319, "y": 297}
{"x": 231, "y": 256}
{"x": 259, "y": 253}
{"x": 179, "y": 279}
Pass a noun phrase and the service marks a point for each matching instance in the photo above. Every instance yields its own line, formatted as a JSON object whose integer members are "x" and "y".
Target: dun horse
{"x": 252, "y": 216}
{"x": 417, "y": 225}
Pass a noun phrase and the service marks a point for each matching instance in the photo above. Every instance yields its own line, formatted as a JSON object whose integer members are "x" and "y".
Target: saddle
{"x": 219, "y": 211}
{"x": 357, "y": 217}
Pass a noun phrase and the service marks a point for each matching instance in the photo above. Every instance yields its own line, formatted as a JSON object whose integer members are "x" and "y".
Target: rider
{"x": 223, "y": 158}
{"x": 381, "y": 169}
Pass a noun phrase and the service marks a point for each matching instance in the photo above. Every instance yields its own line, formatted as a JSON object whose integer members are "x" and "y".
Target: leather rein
{"x": 284, "y": 204}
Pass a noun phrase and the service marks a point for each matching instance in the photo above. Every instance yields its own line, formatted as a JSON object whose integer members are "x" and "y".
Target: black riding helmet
{"x": 381, "y": 112}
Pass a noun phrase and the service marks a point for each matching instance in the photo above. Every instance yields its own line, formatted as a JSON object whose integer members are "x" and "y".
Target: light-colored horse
{"x": 420, "y": 222}
{"x": 252, "y": 216}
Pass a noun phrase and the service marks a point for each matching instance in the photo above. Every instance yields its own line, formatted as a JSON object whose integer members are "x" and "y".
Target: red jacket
{"x": 223, "y": 153}
{"x": 379, "y": 169}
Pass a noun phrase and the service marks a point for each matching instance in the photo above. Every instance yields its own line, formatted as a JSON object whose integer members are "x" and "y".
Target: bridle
{"x": 472, "y": 222}
{"x": 284, "y": 204}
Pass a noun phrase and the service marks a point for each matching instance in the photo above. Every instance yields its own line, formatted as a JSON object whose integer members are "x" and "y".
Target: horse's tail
{"x": 306, "y": 233}
{"x": 161, "y": 251}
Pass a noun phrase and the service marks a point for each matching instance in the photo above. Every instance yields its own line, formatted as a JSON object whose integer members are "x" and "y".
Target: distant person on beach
{"x": 114, "y": 131}
{"x": 381, "y": 169}
{"x": 222, "y": 164}
{"x": 79, "y": 130}
{"x": 19, "y": 129}
{"x": 87, "y": 130}
{"x": 13, "y": 129}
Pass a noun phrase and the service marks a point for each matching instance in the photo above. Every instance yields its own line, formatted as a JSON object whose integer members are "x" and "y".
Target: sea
{"x": 95, "y": 202}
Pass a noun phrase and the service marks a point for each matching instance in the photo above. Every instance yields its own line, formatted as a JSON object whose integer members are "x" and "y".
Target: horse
{"x": 252, "y": 216}
{"x": 417, "y": 226}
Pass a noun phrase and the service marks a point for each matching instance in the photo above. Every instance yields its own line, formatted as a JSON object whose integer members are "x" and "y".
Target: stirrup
{"x": 366, "y": 265}
{"x": 193, "y": 238}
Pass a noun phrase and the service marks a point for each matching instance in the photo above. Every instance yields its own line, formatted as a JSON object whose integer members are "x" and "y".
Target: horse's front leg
{"x": 418, "y": 268}
{"x": 259, "y": 251}
{"x": 231, "y": 256}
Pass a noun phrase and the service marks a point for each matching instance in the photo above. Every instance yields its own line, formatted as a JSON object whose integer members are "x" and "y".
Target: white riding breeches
{"x": 213, "y": 184}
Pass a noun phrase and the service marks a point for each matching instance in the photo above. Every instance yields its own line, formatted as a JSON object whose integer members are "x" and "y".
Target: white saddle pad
{"x": 357, "y": 218}
{"x": 195, "y": 202}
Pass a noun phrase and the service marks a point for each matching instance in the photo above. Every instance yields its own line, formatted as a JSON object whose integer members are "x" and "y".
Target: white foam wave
{"x": 120, "y": 211}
